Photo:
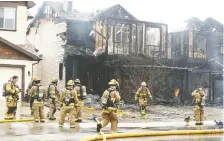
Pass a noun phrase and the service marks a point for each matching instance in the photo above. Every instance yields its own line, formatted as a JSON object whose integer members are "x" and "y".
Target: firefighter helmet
{"x": 143, "y": 84}
{"x": 34, "y": 78}
{"x": 77, "y": 81}
{"x": 70, "y": 83}
{"x": 112, "y": 82}
{"x": 54, "y": 80}
{"x": 115, "y": 81}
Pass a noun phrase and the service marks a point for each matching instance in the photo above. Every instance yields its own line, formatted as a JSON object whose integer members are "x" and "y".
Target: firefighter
{"x": 110, "y": 100}
{"x": 52, "y": 96}
{"x": 38, "y": 93}
{"x": 142, "y": 96}
{"x": 12, "y": 96}
{"x": 31, "y": 100}
{"x": 81, "y": 93}
{"x": 198, "y": 101}
{"x": 68, "y": 101}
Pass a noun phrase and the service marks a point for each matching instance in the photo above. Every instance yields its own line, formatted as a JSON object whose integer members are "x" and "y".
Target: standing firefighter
{"x": 12, "y": 96}
{"x": 142, "y": 96}
{"x": 38, "y": 93}
{"x": 52, "y": 95}
{"x": 109, "y": 100}
{"x": 31, "y": 100}
{"x": 68, "y": 101}
{"x": 198, "y": 102}
{"x": 81, "y": 93}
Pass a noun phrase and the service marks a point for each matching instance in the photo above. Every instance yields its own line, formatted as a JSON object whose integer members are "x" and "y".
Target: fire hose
{"x": 157, "y": 133}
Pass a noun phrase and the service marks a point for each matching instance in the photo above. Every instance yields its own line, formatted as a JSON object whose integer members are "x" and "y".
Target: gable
{"x": 116, "y": 11}
{"x": 7, "y": 52}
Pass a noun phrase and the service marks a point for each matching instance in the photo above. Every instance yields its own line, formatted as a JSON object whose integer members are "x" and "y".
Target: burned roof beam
{"x": 153, "y": 66}
{"x": 128, "y": 21}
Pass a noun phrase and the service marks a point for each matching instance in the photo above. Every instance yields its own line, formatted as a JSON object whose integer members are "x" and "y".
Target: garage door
{"x": 6, "y": 73}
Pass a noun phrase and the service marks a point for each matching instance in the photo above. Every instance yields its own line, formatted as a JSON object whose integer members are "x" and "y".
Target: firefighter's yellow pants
{"x": 67, "y": 110}
{"x": 79, "y": 109}
{"x": 198, "y": 114}
{"x": 52, "y": 107}
{"x": 38, "y": 109}
{"x": 11, "y": 107}
{"x": 142, "y": 105}
{"x": 110, "y": 116}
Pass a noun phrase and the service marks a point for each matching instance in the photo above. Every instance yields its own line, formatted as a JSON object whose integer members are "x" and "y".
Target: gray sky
{"x": 171, "y": 12}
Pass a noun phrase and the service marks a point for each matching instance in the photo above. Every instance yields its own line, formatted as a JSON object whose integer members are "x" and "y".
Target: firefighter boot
{"x": 9, "y": 114}
{"x": 98, "y": 128}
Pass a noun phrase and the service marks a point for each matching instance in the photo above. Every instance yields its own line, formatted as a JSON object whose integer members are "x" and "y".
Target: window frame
{"x": 7, "y": 29}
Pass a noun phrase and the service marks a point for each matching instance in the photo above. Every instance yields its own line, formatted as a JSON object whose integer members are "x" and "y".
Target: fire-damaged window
{"x": 199, "y": 47}
{"x": 136, "y": 38}
{"x": 121, "y": 44}
{"x": 60, "y": 71}
{"x": 152, "y": 42}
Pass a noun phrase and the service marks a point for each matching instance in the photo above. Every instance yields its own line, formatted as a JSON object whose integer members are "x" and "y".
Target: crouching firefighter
{"x": 68, "y": 101}
{"x": 38, "y": 93}
{"x": 31, "y": 100}
{"x": 52, "y": 96}
{"x": 12, "y": 96}
{"x": 198, "y": 101}
{"x": 109, "y": 100}
{"x": 142, "y": 96}
{"x": 81, "y": 93}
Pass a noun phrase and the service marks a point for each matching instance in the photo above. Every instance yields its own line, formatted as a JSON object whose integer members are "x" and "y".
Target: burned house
{"x": 202, "y": 53}
{"x": 114, "y": 44}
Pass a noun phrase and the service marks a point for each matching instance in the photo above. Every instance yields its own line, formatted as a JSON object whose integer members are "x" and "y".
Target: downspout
{"x": 33, "y": 65}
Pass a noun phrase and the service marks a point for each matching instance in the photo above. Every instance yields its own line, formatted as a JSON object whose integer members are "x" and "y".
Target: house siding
{"x": 7, "y": 52}
{"x": 50, "y": 46}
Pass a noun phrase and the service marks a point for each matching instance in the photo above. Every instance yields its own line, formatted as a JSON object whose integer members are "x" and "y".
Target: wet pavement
{"x": 129, "y": 122}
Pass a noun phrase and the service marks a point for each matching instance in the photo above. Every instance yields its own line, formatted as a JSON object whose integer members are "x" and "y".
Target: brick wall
{"x": 7, "y": 52}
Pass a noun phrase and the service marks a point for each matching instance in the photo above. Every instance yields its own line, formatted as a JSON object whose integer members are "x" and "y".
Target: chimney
{"x": 70, "y": 6}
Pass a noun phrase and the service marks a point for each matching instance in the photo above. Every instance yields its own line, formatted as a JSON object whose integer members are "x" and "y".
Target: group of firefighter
{"x": 72, "y": 101}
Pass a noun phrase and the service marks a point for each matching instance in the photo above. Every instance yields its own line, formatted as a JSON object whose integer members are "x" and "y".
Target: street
{"x": 158, "y": 120}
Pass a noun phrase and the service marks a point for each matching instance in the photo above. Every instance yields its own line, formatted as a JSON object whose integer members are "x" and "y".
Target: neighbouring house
{"x": 201, "y": 51}
{"x": 17, "y": 56}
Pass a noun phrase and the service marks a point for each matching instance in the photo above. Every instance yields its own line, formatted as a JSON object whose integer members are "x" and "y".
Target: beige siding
{"x": 50, "y": 46}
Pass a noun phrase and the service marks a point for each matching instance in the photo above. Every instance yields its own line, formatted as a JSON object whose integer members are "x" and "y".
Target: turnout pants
{"x": 110, "y": 116}
{"x": 198, "y": 114}
{"x": 52, "y": 107}
{"x": 11, "y": 107}
{"x": 67, "y": 110}
{"x": 79, "y": 110}
{"x": 38, "y": 108}
{"x": 142, "y": 105}
{"x": 31, "y": 104}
